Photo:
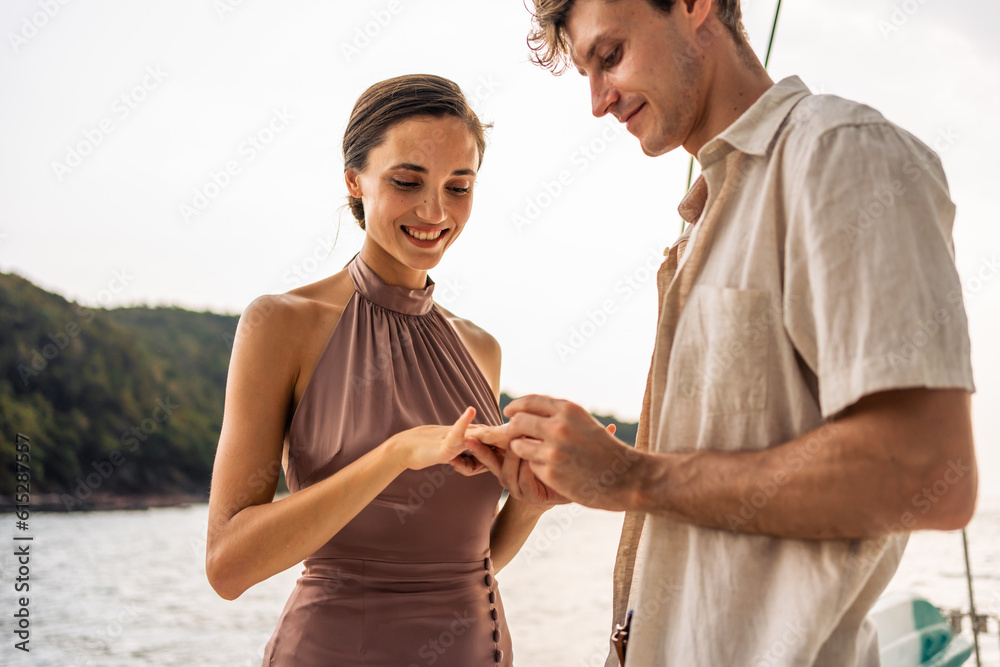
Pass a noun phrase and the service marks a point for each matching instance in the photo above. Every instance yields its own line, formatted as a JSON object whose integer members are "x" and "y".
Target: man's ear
{"x": 352, "y": 179}
{"x": 696, "y": 11}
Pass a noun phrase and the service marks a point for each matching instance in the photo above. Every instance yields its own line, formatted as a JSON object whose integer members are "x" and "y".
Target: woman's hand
{"x": 425, "y": 446}
{"x": 490, "y": 446}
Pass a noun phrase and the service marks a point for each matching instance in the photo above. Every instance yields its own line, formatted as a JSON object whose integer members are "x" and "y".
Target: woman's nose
{"x": 431, "y": 210}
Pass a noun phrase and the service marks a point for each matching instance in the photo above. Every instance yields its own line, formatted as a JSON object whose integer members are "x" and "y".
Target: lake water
{"x": 112, "y": 589}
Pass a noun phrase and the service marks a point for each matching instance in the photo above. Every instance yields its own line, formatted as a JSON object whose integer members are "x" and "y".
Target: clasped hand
{"x": 550, "y": 452}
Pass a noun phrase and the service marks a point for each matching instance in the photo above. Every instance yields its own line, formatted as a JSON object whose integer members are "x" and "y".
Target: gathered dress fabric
{"x": 409, "y": 581}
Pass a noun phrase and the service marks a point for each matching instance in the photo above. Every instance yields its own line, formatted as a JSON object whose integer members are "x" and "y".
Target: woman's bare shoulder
{"x": 483, "y": 347}
{"x": 288, "y": 313}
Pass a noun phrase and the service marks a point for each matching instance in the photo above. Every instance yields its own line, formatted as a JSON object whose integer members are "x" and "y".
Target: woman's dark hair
{"x": 393, "y": 101}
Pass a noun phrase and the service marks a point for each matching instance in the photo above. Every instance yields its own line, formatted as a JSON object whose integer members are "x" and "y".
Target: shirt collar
{"x": 754, "y": 131}
{"x": 694, "y": 201}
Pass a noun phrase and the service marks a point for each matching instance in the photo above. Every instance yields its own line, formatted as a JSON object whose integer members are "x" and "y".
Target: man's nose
{"x": 602, "y": 96}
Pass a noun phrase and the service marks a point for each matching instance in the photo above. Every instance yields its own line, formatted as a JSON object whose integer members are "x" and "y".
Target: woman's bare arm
{"x": 250, "y": 537}
{"x": 511, "y": 529}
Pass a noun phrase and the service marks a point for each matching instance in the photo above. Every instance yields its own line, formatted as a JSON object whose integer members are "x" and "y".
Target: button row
{"x": 494, "y": 614}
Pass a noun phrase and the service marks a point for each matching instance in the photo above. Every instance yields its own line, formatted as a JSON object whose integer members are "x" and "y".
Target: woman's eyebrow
{"x": 410, "y": 167}
{"x": 423, "y": 170}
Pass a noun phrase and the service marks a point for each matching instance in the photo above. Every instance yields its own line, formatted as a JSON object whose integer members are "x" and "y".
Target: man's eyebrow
{"x": 591, "y": 51}
{"x": 423, "y": 170}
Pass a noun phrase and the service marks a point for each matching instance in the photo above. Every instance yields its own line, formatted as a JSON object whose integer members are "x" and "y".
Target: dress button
{"x": 496, "y": 635}
{"x": 488, "y": 579}
{"x": 493, "y": 597}
{"x": 498, "y": 656}
{"x": 493, "y": 614}
{"x": 486, "y": 563}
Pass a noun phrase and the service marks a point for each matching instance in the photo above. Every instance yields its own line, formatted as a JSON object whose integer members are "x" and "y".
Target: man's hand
{"x": 571, "y": 453}
{"x": 490, "y": 446}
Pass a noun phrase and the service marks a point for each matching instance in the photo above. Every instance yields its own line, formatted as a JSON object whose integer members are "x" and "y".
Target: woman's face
{"x": 417, "y": 193}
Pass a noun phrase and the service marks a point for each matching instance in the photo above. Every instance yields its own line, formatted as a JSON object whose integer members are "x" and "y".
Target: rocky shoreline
{"x": 100, "y": 502}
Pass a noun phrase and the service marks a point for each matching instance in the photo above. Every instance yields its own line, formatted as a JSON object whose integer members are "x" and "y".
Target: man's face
{"x": 644, "y": 67}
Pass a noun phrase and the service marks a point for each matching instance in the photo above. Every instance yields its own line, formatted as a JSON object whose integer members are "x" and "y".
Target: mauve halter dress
{"x": 408, "y": 582}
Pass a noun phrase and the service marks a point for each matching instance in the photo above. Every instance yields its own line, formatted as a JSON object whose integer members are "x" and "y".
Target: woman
{"x": 343, "y": 382}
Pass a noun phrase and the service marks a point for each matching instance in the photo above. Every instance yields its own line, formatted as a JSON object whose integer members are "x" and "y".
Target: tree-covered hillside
{"x": 118, "y": 401}
{"x": 124, "y": 401}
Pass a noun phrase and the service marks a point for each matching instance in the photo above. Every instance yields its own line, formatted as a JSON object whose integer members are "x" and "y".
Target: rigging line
{"x": 972, "y": 602}
{"x": 767, "y": 60}
{"x": 774, "y": 29}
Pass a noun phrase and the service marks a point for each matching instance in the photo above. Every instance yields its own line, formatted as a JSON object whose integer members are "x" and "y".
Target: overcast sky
{"x": 188, "y": 153}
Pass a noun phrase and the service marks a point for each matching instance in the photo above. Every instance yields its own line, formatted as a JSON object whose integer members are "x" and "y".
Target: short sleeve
{"x": 872, "y": 297}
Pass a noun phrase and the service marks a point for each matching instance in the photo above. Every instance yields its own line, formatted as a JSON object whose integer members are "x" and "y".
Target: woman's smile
{"x": 424, "y": 237}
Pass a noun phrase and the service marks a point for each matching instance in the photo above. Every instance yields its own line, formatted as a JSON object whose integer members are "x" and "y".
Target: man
{"x": 808, "y": 398}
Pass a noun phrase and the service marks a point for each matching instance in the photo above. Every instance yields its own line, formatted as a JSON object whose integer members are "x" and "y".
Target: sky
{"x": 188, "y": 153}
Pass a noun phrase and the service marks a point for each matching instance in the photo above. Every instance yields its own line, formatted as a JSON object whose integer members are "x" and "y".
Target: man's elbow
{"x": 947, "y": 496}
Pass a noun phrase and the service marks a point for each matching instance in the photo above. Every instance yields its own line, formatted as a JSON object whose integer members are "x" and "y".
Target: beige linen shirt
{"x": 822, "y": 271}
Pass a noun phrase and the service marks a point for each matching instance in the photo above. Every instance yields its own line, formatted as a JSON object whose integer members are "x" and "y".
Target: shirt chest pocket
{"x": 718, "y": 363}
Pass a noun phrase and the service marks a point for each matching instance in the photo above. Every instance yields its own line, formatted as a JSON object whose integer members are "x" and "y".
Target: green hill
{"x": 124, "y": 402}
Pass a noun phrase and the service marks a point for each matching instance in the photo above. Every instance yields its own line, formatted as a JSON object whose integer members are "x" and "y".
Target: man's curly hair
{"x": 550, "y": 48}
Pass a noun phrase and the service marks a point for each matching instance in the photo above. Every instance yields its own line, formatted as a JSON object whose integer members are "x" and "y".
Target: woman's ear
{"x": 353, "y": 181}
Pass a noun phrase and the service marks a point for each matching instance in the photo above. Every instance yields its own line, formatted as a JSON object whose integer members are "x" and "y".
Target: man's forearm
{"x": 861, "y": 476}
